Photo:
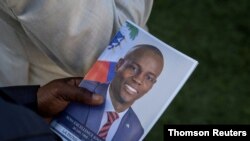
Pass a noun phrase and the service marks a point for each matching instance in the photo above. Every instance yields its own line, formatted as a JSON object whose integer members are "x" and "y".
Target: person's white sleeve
{"x": 73, "y": 33}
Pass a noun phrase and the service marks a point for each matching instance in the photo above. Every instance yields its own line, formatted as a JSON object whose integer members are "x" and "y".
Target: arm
{"x": 52, "y": 98}
{"x": 21, "y": 95}
{"x": 19, "y": 123}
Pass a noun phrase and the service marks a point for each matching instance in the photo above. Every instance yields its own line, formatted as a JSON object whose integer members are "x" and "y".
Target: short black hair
{"x": 146, "y": 46}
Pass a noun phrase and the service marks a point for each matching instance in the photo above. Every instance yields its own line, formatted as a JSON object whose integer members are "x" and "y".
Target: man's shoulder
{"x": 131, "y": 126}
{"x": 133, "y": 115}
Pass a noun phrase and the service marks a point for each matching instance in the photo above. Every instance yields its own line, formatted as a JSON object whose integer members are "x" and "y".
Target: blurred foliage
{"x": 217, "y": 34}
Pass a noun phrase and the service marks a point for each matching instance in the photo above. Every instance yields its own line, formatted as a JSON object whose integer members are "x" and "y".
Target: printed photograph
{"x": 138, "y": 75}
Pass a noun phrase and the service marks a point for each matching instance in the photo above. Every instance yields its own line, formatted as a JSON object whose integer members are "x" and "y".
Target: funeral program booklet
{"x": 138, "y": 76}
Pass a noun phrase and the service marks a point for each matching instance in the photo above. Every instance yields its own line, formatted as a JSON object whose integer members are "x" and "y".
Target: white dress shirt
{"x": 115, "y": 124}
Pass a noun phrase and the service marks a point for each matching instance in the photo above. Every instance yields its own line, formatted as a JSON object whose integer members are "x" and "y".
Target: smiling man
{"x": 136, "y": 74}
{"x": 115, "y": 120}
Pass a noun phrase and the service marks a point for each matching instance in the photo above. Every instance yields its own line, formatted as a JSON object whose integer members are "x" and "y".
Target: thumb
{"x": 84, "y": 96}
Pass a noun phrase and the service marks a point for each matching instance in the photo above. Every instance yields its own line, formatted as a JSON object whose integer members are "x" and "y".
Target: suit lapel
{"x": 96, "y": 112}
{"x": 124, "y": 127}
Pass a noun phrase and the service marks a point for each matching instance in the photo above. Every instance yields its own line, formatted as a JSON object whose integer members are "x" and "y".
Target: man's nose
{"x": 138, "y": 78}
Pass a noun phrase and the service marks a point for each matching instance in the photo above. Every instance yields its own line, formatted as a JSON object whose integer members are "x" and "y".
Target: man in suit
{"x": 136, "y": 74}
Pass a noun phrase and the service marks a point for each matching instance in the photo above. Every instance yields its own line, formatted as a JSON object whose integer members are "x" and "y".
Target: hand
{"x": 57, "y": 94}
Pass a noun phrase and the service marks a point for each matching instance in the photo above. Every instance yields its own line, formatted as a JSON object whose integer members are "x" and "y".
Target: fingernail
{"x": 97, "y": 97}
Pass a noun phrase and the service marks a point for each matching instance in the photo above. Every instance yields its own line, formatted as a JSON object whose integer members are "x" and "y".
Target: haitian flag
{"x": 104, "y": 68}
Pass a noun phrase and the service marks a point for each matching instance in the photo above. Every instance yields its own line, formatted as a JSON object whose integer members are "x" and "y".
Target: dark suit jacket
{"x": 130, "y": 128}
{"x": 17, "y": 120}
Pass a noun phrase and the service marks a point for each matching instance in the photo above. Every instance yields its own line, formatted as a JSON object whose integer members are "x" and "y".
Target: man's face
{"x": 135, "y": 76}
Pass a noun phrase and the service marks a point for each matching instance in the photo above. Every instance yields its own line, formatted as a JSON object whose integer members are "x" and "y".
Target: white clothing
{"x": 41, "y": 40}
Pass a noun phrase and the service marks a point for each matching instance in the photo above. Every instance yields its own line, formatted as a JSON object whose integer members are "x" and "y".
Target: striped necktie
{"x": 112, "y": 116}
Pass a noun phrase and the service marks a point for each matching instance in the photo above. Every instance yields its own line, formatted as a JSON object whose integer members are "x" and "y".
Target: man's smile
{"x": 130, "y": 89}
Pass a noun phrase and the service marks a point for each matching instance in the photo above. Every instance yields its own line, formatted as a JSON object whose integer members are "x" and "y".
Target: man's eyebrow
{"x": 130, "y": 61}
{"x": 134, "y": 63}
{"x": 151, "y": 73}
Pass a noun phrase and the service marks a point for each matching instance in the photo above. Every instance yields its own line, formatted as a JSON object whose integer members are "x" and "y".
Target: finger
{"x": 74, "y": 81}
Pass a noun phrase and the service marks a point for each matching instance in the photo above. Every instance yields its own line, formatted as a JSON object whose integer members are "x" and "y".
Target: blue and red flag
{"x": 104, "y": 68}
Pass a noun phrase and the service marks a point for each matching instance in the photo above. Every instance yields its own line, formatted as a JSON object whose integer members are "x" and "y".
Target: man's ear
{"x": 119, "y": 64}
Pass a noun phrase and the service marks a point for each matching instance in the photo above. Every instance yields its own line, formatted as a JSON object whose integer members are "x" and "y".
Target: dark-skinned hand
{"x": 57, "y": 94}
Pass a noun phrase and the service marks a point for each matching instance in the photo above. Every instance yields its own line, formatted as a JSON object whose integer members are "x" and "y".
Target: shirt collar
{"x": 109, "y": 106}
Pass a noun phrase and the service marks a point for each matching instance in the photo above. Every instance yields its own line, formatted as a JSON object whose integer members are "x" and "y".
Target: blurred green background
{"x": 217, "y": 34}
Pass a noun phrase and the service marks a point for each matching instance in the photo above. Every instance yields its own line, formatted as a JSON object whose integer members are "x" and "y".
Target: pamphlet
{"x": 138, "y": 75}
